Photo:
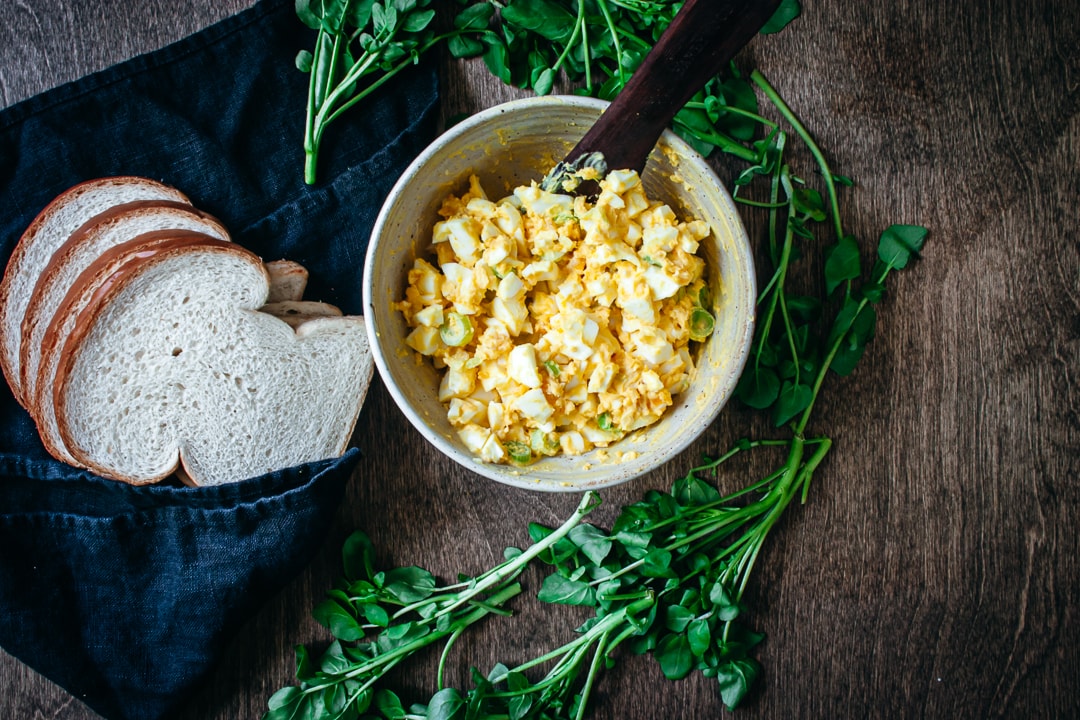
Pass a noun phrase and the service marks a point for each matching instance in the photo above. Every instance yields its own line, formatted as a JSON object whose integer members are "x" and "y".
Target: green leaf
{"x": 538, "y": 532}
{"x": 740, "y": 94}
{"x": 691, "y": 490}
{"x": 384, "y": 18}
{"x": 397, "y": 635}
{"x": 676, "y": 618}
{"x": 475, "y": 17}
{"x": 699, "y": 636}
{"x": 787, "y": 11}
{"x": 304, "y": 59}
{"x": 808, "y": 201}
{"x": 673, "y": 654}
{"x": 497, "y": 60}
{"x": 657, "y": 564}
{"x": 333, "y": 660}
{"x": 736, "y": 678}
{"x": 360, "y": 13}
{"x": 758, "y": 387}
{"x": 447, "y": 704}
{"x": 899, "y": 243}
{"x": 846, "y": 358}
{"x": 305, "y": 668}
{"x": 417, "y": 21}
{"x": 841, "y": 263}
{"x": 463, "y": 46}
{"x": 336, "y": 702}
{"x": 338, "y": 620}
{"x": 519, "y": 706}
{"x": 803, "y": 307}
{"x": 409, "y": 584}
{"x": 727, "y": 608}
{"x": 389, "y": 705}
{"x": 358, "y": 557}
{"x": 851, "y": 349}
{"x": 288, "y": 703}
{"x": 594, "y": 543}
{"x": 318, "y": 14}
{"x": 542, "y": 17}
{"x": 376, "y": 615}
{"x": 873, "y": 292}
{"x": 543, "y": 79}
{"x": 635, "y": 544}
{"x": 560, "y": 590}
{"x": 793, "y": 399}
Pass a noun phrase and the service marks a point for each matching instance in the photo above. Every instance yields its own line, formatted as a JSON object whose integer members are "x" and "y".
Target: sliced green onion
{"x": 701, "y": 324}
{"x": 519, "y": 452}
{"x": 457, "y": 330}
{"x": 603, "y": 420}
{"x": 704, "y": 298}
{"x": 552, "y": 367}
{"x": 543, "y": 443}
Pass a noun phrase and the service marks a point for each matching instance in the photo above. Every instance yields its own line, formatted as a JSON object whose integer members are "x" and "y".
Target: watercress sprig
{"x": 360, "y": 45}
{"x": 380, "y": 618}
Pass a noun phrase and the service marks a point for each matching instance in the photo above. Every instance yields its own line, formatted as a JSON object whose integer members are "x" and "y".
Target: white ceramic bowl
{"x": 510, "y": 145}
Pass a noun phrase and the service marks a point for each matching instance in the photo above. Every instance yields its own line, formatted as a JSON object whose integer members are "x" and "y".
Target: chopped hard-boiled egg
{"x": 559, "y": 325}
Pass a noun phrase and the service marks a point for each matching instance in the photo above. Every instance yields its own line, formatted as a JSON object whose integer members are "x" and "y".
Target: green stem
{"x": 829, "y": 356}
{"x": 733, "y": 110}
{"x": 594, "y": 669}
{"x": 782, "y": 106}
{"x": 723, "y": 142}
{"x": 573, "y": 37}
{"x": 389, "y": 659}
{"x": 571, "y": 649}
{"x": 588, "y": 502}
{"x": 778, "y": 288}
{"x": 614, "y": 40}
{"x": 443, "y": 657}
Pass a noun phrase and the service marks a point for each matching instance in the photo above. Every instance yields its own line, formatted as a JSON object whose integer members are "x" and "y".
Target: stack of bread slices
{"x": 143, "y": 342}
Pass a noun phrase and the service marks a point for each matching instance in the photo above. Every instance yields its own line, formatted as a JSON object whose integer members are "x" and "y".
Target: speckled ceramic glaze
{"x": 510, "y": 145}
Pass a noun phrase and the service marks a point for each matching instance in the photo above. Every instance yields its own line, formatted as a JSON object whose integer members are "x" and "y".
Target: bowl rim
{"x": 511, "y": 475}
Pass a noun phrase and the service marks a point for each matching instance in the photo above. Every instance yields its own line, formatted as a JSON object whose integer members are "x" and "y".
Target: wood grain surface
{"x": 935, "y": 571}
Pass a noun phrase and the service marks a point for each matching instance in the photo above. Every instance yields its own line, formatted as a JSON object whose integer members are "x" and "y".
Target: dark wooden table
{"x": 934, "y": 571}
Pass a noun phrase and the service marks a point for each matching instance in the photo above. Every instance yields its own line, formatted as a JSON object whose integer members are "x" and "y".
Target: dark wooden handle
{"x": 699, "y": 43}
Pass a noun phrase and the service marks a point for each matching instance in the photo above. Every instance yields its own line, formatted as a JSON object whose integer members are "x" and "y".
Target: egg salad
{"x": 559, "y": 324}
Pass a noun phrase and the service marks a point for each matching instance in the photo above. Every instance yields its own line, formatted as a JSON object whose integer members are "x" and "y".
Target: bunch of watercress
{"x": 596, "y": 44}
{"x": 381, "y": 618}
{"x": 360, "y": 45}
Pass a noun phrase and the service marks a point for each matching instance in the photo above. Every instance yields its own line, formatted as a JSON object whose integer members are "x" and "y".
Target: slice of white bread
{"x": 49, "y": 230}
{"x": 171, "y": 363}
{"x": 298, "y": 312}
{"x": 288, "y": 281}
{"x": 78, "y": 296}
{"x": 105, "y": 230}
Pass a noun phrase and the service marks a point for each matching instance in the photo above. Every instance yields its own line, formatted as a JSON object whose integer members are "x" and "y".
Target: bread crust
{"x": 81, "y": 293}
{"x": 66, "y": 259}
{"x": 103, "y": 294}
{"x": 21, "y": 272}
{"x": 288, "y": 281}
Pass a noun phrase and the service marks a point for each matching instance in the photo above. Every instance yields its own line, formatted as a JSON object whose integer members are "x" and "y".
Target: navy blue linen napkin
{"x": 125, "y": 596}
